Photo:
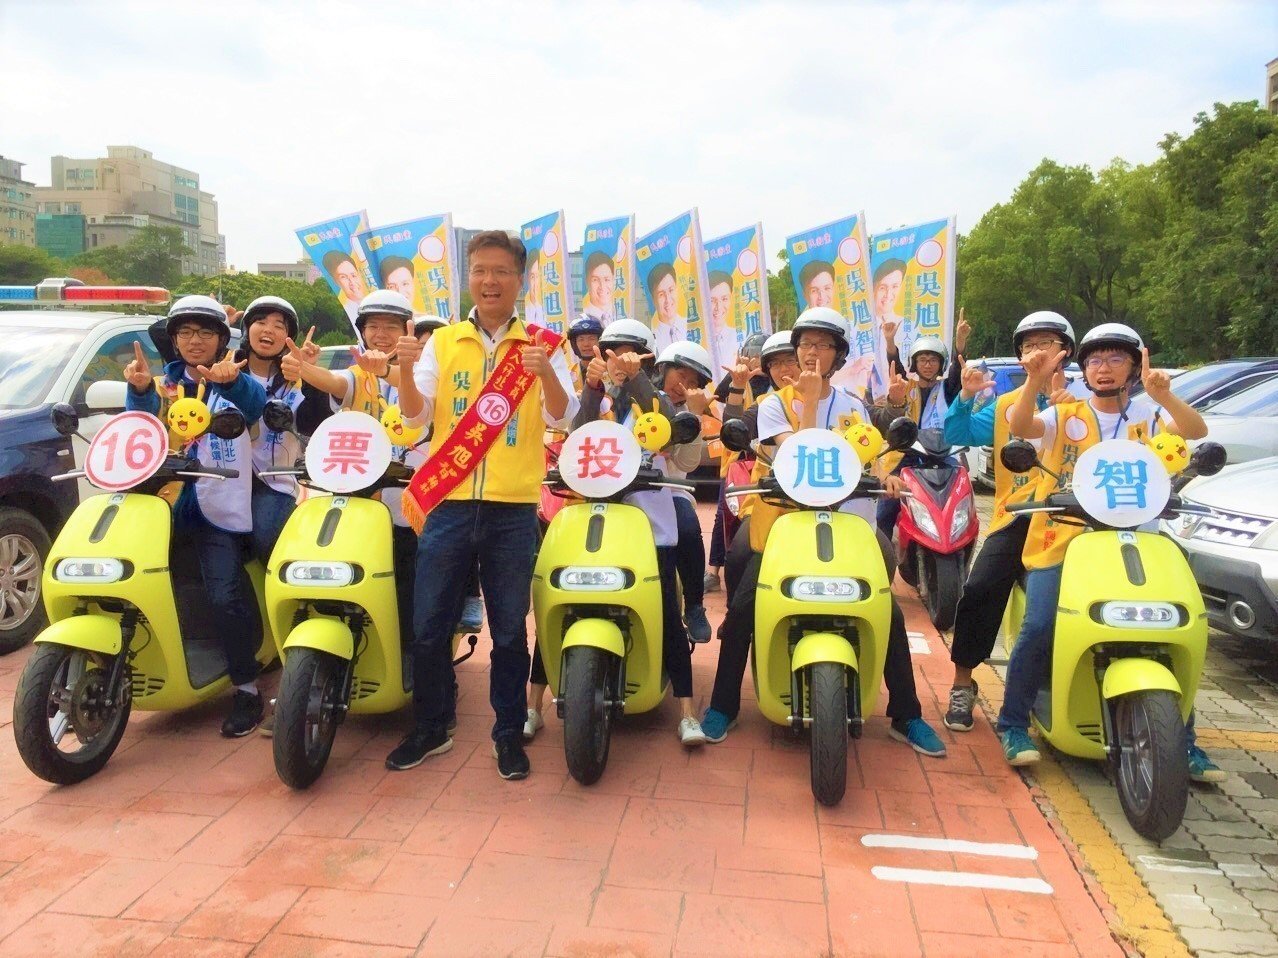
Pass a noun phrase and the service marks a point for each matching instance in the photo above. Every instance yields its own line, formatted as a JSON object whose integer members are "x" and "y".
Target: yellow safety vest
{"x": 1009, "y": 487}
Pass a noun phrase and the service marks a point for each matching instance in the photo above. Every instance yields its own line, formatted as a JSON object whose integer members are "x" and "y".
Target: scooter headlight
{"x": 329, "y": 575}
{"x": 962, "y": 517}
{"x": 1140, "y": 615}
{"x": 823, "y": 588}
{"x": 921, "y": 517}
{"x": 579, "y": 578}
{"x": 98, "y": 571}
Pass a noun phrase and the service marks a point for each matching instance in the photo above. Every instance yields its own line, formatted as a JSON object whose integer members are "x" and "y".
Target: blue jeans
{"x": 1032, "y": 657}
{"x": 503, "y": 537}
{"x": 232, "y": 603}
{"x": 271, "y": 510}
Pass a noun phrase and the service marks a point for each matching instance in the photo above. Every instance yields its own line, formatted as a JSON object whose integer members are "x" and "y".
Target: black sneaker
{"x": 247, "y": 709}
{"x": 418, "y": 745}
{"x": 962, "y": 703}
{"x": 512, "y": 760}
{"x": 697, "y": 623}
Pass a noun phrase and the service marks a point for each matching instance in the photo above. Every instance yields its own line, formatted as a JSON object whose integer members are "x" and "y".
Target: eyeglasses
{"x": 814, "y": 347}
{"x": 1038, "y": 344}
{"x": 186, "y": 335}
{"x": 479, "y": 272}
{"x": 1109, "y": 362}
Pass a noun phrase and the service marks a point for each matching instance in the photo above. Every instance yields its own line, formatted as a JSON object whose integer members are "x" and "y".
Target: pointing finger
{"x": 310, "y": 334}
{"x": 138, "y": 354}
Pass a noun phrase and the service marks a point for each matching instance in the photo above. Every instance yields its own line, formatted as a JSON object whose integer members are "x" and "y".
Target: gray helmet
{"x": 825, "y": 320}
{"x": 927, "y": 344}
{"x": 752, "y": 347}
{"x": 1045, "y": 321}
{"x": 205, "y": 311}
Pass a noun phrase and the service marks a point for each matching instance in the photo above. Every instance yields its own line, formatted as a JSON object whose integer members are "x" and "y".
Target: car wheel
{"x": 24, "y": 545}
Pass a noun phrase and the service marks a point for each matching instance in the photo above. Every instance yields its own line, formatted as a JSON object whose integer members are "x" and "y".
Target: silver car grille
{"x": 1230, "y": 528}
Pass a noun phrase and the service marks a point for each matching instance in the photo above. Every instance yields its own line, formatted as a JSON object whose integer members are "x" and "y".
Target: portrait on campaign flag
{"x": 547, "y": 291}
{"x": 829, "y": 266}
{"x": 417, "y": 258}
{"x": 912, "y": 280}
{"x": 608, "y": 270}
{"x": 737, "y": 285}
{"x": 331, "y": 246}
{"x": 671, "y": 269}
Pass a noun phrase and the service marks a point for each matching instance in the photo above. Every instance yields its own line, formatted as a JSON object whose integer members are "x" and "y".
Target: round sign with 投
{"x": 600, "y": 459}
{"x": 817, "y": 467}
{"x": 1121, "y": 483}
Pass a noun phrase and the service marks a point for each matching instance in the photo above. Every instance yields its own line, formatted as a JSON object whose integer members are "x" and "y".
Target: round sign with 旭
{"x": 128, "y": 450}
{"x": 600, "y": 459}
{"x": 348, "y": 452}
{"x": 817, "y": 467}
{"x": 1121, "y": 483}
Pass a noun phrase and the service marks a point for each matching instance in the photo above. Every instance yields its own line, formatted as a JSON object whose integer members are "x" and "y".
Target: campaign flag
{"x": 912, "y": 276}
{"x": 547, "y": 291}
{"x": 672, "y": 271}
{"x": 829, "y": 267}
{"x": 419, "y": 259}
{"x": 608, "y": 270}
{"x": 737, "y": 281}
{"x": 331, "y": 246}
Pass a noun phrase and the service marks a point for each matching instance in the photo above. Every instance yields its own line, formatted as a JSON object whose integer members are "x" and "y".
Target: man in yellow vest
{"x": 490, "y": 512}
{"x": 998, "y": 565}
{"x": 1114, "y": 358}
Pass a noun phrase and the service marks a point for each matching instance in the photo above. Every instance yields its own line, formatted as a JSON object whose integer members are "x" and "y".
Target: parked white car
{"x": 1246, "y": 424}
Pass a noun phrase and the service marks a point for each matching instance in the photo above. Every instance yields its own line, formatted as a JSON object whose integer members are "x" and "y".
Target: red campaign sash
{"x": 480, "y": 425}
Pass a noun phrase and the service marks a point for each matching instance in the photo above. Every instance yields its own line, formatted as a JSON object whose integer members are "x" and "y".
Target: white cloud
{"x": 788, "y": 113}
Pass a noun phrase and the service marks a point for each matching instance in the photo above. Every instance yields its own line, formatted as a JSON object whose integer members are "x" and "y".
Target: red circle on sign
{"x": 128, "y": 450}
{"x": 493, "y": 409}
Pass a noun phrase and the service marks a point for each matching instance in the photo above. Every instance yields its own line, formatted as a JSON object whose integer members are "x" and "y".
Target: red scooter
{"x": 937, "y": 528}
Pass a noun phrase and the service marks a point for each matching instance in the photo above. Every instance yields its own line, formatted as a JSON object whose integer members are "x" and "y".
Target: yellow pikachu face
{"x": 1171, "y": 451}
{"x": 651, "y": 428}
{"x": 188, "y": 415}
{"x": 399, "y": 433}
{"x": 866, "y": 441}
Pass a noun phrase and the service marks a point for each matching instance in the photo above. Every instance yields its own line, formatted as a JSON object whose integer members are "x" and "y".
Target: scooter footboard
{"x": 93, "y": 633}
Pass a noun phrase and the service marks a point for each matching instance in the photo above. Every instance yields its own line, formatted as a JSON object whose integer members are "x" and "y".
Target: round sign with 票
{"x": 817, "y": 467}
{"x": 1121, "y": 483}
{"x": 128, "y": 450}
{"x": 600, "y": 459}
{"x": 348, "y": 452}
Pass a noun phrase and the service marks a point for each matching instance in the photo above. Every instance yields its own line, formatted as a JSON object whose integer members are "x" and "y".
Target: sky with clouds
{"x": 791, "y": 113}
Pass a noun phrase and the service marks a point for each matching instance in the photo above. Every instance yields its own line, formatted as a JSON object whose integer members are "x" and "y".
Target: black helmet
{"x": 584, "y": 326}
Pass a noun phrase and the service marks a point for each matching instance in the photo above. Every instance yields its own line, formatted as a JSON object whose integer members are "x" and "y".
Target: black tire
{"x": 1152, "y": 769}
{"x": 588, "y": 674}
{"x": 940, "y": 585}
{"x": 35, "y": 712}
{"x": 828, "y": 707}
{"x": 24, "y": 547}
{"x": 306, "y": 715}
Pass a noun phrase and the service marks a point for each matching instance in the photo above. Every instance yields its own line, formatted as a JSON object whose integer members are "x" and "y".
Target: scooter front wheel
{"x": 1152, "y": 771}
{"x": 828, "y": 706}
{"x": 306, "y": 715}
{"x": 941, "y": 578}
{"x": 587, "y": 678}
{"x": 64, "y": 729}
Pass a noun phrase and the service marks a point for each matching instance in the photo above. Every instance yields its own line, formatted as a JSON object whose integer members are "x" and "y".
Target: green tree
{"x": 782, "y": 302}
{"x": 26, "y": 265}
{"x": 316, "y": 304}
{"x": 153, "y": 257}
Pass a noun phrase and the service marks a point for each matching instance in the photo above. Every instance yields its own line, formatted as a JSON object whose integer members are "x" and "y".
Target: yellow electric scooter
{"x": 1131, "y": 629}
{"x": 118, "y": 637}
{"x": 596, "y": 587}
{"x": 823, "y": 605}
{"x": 330, "y": 594}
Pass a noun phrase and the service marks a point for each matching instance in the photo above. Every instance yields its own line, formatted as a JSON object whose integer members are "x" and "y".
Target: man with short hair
{"x": 601, "y": 285}
{"x": 722, "y": 333}
{"x": 668, "y": 324}
{"x": 817, "y": 282}
{"x": 397, "y": 274}
{"x": 346, "y": 275}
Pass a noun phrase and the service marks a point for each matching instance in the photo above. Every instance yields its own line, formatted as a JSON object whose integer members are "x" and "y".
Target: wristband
{"x": 734, "y": 389}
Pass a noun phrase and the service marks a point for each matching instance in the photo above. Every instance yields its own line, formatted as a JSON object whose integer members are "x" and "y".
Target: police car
{"x": 51, "y": 352}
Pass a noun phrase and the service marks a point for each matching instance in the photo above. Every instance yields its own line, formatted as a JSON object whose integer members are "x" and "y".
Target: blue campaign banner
{"x": 331, "y": 246}
{"x": 419, "y": 259}
{"x": 547, "y": 285}
{"x": 608, "y": 270}
{"x": 738, "y": 291}
{"x": 912, "y": 271}
{"x": 672, "y": 272}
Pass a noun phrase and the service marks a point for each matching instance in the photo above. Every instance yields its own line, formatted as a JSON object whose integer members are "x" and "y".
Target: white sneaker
{"x": 690, "y": 733}
{"x": 534, "y": 722}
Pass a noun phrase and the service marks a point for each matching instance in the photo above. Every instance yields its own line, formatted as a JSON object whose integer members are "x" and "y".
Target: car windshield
{"x": 30, "y": 360}
{"x": 1260, "y": 400}
{"x": 1196, "y": 382}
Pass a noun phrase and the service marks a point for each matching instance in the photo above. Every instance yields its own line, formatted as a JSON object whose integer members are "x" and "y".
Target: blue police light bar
{"x": 17, "y": 294}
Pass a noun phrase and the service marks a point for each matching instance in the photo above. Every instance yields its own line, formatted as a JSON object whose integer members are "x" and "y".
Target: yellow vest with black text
{"x": 1047, "y": 540}
{"x": 914, "y": 409}
{"x": 515, "y": 464}
{"x": 1009, "y": 487}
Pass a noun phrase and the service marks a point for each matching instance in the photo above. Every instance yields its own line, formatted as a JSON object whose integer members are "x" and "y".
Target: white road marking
{"x": 926, "y": 876}
{"x": 1178, "y": 865}
{"x": 952, "y": 845}
{"x": 918, "y": 644}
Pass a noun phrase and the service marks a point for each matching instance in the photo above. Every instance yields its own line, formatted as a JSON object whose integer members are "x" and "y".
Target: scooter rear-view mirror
{"x": 1208, "y": 459}
{"x": 277, "y": 416}
{"x": 66, "y": 421}
{"x": 684, "y": 427}
{"x": 735, "y": 435}
{"x": 227, "y": 424}
{"x": 902, "y": 433}
{"x": 1018, "y": 456}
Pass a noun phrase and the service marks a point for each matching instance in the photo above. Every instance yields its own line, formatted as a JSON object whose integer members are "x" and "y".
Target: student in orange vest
{"x": 1114, "y": 359}
{"x": 490, "y": 509}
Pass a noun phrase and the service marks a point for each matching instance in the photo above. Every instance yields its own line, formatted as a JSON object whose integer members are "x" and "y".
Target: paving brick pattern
{"x": 187, "y": 844}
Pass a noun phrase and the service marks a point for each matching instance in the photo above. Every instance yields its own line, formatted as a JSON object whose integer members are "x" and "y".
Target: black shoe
{"x": 962, "y": 703}
{"x": 512, "y": 760}
{"x": 697, "y": 623}
{"x": 418, "y": 745}
{"x": 247, "y": 709}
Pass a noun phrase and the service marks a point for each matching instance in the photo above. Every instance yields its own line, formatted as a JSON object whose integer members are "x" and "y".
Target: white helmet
{"x": 926, "y": 344}
{"x": 825, "y": 320}
{"x": 428, "y": 322}
{"x": 1045, "y": 321}
{"x": 689, "y": 356}
{"x": 628, "y": 332}
{"x": 1112, "y": 336}
{"x": 382, "y": 302}
{"x": 776, "y": 344}
{"x": 205, "y": 311}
